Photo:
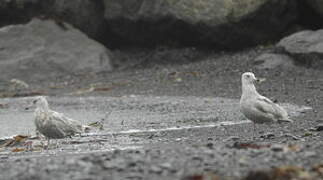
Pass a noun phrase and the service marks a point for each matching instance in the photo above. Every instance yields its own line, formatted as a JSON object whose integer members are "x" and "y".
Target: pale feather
{"x": 258, "y": 108}
{"x": 55, "y": 125}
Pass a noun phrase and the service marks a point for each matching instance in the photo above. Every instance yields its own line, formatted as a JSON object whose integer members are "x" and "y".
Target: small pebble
{"x": 278, "y": 148}
{"x": 319, "y": 127}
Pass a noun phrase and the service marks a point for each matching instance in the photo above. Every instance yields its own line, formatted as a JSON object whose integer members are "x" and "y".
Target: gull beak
{"x": 28, "y": 108}
{"x": 260, "y": 80}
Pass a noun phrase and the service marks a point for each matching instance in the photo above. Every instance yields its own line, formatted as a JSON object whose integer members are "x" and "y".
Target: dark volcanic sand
{"x": 177, "y": 154}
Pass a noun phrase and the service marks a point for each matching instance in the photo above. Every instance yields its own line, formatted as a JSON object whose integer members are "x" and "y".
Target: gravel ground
{"x": 182, "y": 89}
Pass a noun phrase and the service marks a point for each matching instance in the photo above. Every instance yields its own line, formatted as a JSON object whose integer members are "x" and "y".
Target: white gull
{"x": 54, "y": 125}
{"x": 258, "y": 108}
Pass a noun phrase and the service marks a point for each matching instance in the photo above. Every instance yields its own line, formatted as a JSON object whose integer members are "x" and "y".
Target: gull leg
{"x": 254, "y": 130}
{"x": 224, "y": 129}
{"x": 56, "y": 144}
{"x": 113, "y": 137}
{"x": 48, "y": 143}
{"x": 226, "y": 133}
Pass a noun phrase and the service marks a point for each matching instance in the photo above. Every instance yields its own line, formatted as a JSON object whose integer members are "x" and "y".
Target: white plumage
{"x": 54, "y": 125}
{"x": 256, "y": 107}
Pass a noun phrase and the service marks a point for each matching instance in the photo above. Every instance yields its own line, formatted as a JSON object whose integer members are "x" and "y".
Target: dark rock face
{"x": 305, "y": 46}
{"x": 86, "y": 15}
{"x": 42, "y": 49}
{"x": 18, "y": 11}
{"x": 309, "y": 15}
{"x": 223, "y": 24}
{"x": 317, "y": 6}
{"x": 220, "y": 24}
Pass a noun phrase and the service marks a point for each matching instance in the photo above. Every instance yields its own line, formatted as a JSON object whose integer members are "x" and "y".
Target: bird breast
{"x": 47, "y": 127}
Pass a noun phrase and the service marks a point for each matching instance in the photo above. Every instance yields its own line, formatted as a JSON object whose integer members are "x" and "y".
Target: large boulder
{"x": 222, "y": 23}
{"x": 42, "y": 49}
{"x": 86, "y": 15}
{"x": 269, "y": 61}
{"x": 305, "y": 46}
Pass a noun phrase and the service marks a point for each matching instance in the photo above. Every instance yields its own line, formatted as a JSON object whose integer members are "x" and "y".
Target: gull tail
{"x": 97, "y": 124}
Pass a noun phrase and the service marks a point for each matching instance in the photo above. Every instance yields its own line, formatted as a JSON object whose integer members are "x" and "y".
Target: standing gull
{"x": 256, "y": 107}
{"x": 54, "y": 125}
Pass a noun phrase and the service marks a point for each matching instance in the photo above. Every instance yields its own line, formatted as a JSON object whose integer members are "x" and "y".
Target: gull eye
{"x": 248, "y": 76}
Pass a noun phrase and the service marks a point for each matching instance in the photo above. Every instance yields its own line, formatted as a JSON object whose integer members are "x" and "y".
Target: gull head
{"x": 248, "y": 78}
{"x": 41, "y": 102}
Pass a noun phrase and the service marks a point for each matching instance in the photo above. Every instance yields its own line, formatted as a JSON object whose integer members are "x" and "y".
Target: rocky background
{"x": 65, "y": 33}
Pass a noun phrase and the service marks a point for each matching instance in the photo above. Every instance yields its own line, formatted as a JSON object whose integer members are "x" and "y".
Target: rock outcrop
{"x": 45, "y": 48}
{"x": 224, "y": 24}
{"x": 86, "y": 15}
{"x": 306, "y": 47}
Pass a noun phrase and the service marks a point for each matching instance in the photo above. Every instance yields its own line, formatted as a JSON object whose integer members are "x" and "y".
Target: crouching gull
{"x": 54, "y": 125}
{"x": 256, "y": 107}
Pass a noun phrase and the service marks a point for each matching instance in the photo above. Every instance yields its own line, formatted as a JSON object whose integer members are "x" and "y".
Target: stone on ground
{"x": 305, "y": 46}
{"x": 42, "y": 49}
{"x": 270, "y": 61}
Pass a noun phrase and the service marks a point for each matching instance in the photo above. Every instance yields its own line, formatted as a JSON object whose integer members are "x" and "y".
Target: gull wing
{"x": 266, "y": 106}
{"x": 65, "y": 124}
